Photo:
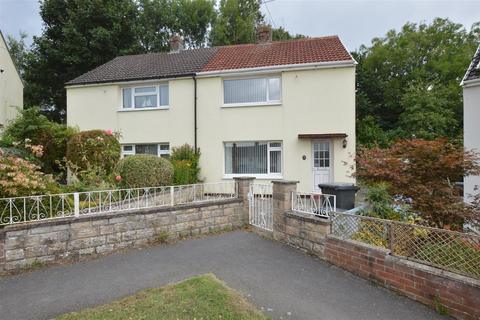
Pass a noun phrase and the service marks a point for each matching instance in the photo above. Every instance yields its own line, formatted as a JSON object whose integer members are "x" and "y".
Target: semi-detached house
{"x": 272, "y": 110}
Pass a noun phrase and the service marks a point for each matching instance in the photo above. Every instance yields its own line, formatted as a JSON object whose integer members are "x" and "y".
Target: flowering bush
{"x": 185, "y": 162}
{"x": 31, "y": 129}
{"x": 143, "y": 171}
{"x": 93, "y": 154}
{"x": 19, "y": 177}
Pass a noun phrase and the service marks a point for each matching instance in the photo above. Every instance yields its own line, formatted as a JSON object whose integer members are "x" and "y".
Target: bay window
{"x": 145, "y": 97}
{"x": 252, "y": 91}
{"x": 258, "y": 158}
{"x": 156, "y": 149}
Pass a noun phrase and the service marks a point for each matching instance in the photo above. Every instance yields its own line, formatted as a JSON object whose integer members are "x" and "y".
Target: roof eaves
{"x": 80, "y": 83}
{"x": 284, "y": 67}
{"x": 470, "y": 67}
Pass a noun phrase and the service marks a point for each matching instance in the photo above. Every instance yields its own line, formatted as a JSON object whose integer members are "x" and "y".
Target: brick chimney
{"x": 176, "y": 43}
{"x": 264, "y": 34}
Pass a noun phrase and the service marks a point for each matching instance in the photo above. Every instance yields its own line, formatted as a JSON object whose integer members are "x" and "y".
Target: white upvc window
{"x": 156, "y": 149}
{"x": 145, "y": 97}
{"x": 261, "y": 159}
{"x": 252, "y": 91}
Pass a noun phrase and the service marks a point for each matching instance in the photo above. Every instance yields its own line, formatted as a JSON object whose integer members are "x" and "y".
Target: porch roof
{"x": 322, "y": 135}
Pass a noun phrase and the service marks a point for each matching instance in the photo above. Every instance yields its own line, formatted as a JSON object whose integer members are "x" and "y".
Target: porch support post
{"x": 243, "y": 185}
{"x": 282, "y": 202}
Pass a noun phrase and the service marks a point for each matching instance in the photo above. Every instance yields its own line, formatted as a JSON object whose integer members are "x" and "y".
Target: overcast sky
{"x": 355, "y": 21}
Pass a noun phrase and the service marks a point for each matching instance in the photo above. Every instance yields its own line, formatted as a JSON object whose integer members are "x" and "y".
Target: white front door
{"x": 322, "y": 162}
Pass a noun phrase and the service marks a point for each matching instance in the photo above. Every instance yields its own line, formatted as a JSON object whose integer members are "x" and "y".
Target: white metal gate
{"x": 260, "y": 202}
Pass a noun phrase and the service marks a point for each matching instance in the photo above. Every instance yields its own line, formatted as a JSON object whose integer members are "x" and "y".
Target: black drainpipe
{"x": 195, "y": 113}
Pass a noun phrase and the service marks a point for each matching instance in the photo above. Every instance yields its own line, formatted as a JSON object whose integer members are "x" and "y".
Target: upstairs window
{"x": 252, "y": 91}
{"x": 145, "y": 97}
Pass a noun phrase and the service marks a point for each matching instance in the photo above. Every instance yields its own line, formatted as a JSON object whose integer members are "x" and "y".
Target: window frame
{"x": 132, "y": 152}
{"x": 268, "y": 175}
{"x": 133, "y": 95}
{"x": 268, "y": 102}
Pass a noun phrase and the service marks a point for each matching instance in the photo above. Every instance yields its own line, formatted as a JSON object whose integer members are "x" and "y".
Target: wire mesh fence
{"x": 454, "y": 251}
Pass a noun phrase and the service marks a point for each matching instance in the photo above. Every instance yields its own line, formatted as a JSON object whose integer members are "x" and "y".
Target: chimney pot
{"x": 264, "y": 34}
{"x": 176, "y": 43}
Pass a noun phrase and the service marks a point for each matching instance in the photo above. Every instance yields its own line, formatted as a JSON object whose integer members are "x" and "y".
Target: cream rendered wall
{"x": 98, "y": 107}
{"x": 471, "y": 114}
{"x": 11, "y": 86}
{"x": 313, "y": 101}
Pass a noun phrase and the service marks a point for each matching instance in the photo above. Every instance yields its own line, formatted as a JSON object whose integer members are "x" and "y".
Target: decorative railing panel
{"x": 41, "y": 207}
{"x": 314, "y": 203}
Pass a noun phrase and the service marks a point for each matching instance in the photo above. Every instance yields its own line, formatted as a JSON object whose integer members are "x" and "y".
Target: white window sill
{"x": 143, "y": 109}
{"x": 256, "y": 176}
{"x": 256, "y": 104}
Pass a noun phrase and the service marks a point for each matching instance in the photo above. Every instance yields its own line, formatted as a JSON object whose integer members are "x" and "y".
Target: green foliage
{"x": 144, "y": 171}
{"x": 280, "y": 34}
{"x": 35, "y": 128}
{"x": 236, "y": 22}
{"x": 408, "y": 82}
{"x": 92, "y": 155}
{"x": 185, "y": 162}
{"x": 380, "y": 203}
{"x": 18, "y": 51}
{"x": 78, "y": 36}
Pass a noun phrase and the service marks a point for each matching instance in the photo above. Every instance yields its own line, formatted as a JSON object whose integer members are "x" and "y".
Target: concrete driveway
{"x": 284, "y": 283}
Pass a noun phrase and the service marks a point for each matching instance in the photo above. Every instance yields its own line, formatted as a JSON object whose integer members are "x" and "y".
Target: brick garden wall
{"x": 454, "y": 294}
{"x": 457, "y": 295}
{"x": 29, "y": 244}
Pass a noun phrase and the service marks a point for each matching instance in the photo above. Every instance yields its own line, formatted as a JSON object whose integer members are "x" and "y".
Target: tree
{"x": 155, "y": 18}
{"x": 425, "y": 61}
{"x": 77, "y": 37}
{"x": 18, "y": 51}
{"x": 422, "y": 174}
{"x": 193, "y": 19}
{"x": 236, "y": 22}
{"x": 280, "y": 34}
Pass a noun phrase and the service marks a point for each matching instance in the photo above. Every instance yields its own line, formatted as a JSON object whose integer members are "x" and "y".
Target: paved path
{"x": 283, "y": 282}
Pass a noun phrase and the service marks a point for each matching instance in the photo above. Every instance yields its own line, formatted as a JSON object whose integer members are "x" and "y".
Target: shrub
{"x": 185, "y": 162}
{"x": 33, "y": 127}
{"x": 144, "y": 171}
{"x": 93, "y": 154}
{"x": 19, "y": 177}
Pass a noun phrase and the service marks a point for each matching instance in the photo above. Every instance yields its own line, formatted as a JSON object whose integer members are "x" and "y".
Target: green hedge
{"x": 144, "y": 171}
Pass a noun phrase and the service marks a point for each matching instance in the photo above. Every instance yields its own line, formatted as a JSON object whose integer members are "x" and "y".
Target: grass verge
{"x": 201, "y": 298}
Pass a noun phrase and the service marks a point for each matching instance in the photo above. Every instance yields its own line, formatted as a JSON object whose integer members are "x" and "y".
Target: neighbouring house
{"x": 11, "y": 86}
{"x": 471, "y": 118}
{"x": 272, "y": 110}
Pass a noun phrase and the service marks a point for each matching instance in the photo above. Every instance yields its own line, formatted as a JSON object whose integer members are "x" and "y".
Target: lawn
{"x": 201, "y": 297}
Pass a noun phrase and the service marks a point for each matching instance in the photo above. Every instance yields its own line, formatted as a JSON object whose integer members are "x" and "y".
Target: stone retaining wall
{"x": 33, "y": 243}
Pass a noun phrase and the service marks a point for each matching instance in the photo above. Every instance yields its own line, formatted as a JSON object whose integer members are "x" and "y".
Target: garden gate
{"x": 260, "y": 201}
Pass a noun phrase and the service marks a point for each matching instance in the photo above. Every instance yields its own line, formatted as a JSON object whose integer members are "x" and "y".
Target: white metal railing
{"x": 41, "y": 207}
{"x": 260, "y": 200}
{"x": 314, "y": 203}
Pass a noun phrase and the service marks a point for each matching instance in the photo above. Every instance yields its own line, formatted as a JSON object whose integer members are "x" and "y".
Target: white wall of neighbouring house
{"x": 99, "y": 107}
{"x": 11, "y": 87}
{"x": 313, "y": 101}
{"x": 471, "y": 113}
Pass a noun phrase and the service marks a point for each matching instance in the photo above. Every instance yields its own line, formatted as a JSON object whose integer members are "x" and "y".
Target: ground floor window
{"x": 156, "y": 149}
{"x": 259, "y": 158}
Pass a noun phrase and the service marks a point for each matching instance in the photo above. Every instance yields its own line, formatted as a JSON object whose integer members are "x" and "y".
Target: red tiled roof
{"x": 309, "y": 50}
